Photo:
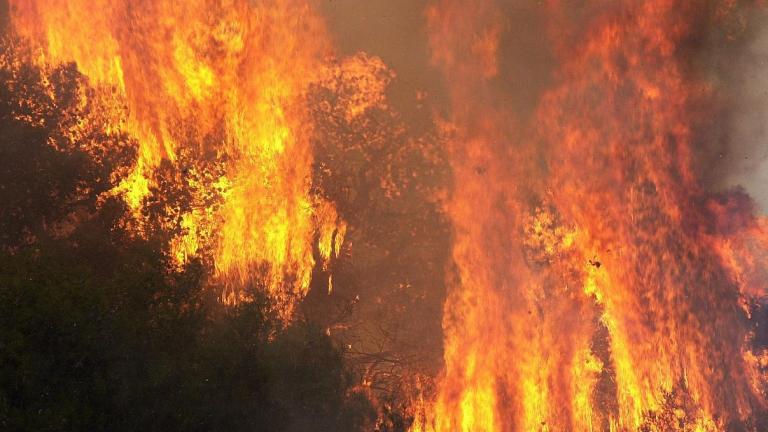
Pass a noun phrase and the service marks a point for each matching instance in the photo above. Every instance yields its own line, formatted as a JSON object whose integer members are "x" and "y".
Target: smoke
{"x": 735, "y": 152}
{"x": 3, "y": 15}
{"x": 748, "y": 122}
{"x": 394, "y": 31}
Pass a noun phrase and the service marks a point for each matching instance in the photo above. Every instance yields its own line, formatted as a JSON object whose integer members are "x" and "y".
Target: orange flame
{"x": 602, "y": 297}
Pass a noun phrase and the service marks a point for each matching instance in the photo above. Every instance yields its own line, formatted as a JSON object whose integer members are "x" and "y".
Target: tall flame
{"x": 223, "y": 79}
{"x": 599, "y": 286}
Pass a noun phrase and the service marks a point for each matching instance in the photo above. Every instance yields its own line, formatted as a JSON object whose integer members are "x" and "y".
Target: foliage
{"x": 386, "y": 176}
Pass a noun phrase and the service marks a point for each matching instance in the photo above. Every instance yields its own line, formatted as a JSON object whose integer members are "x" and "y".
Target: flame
{"x": 602, "y": 291}
{"x": 222, "y": 80}
{"x": 597, "y": 286}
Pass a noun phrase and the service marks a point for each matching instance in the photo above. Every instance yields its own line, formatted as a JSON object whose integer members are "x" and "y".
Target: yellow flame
{"x": 226, "y": 78}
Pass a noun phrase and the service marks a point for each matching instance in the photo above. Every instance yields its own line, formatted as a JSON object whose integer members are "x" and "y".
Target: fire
{"x": 598, "y": 284}
{"x": 203, "y": 81}
{"x": 602, "y": 289}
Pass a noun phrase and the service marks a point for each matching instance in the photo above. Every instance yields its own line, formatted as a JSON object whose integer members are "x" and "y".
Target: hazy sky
{"x": 748, "y": 123}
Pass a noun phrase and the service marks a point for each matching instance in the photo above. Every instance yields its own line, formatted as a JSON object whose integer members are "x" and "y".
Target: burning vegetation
{"x": 226, "y": 215}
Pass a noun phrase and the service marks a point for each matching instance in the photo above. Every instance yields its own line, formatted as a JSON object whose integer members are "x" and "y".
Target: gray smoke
{"x": 740, "y": 73}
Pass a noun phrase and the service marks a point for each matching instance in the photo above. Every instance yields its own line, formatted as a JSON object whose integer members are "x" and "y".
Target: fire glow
{"x": 600, "y": 285}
